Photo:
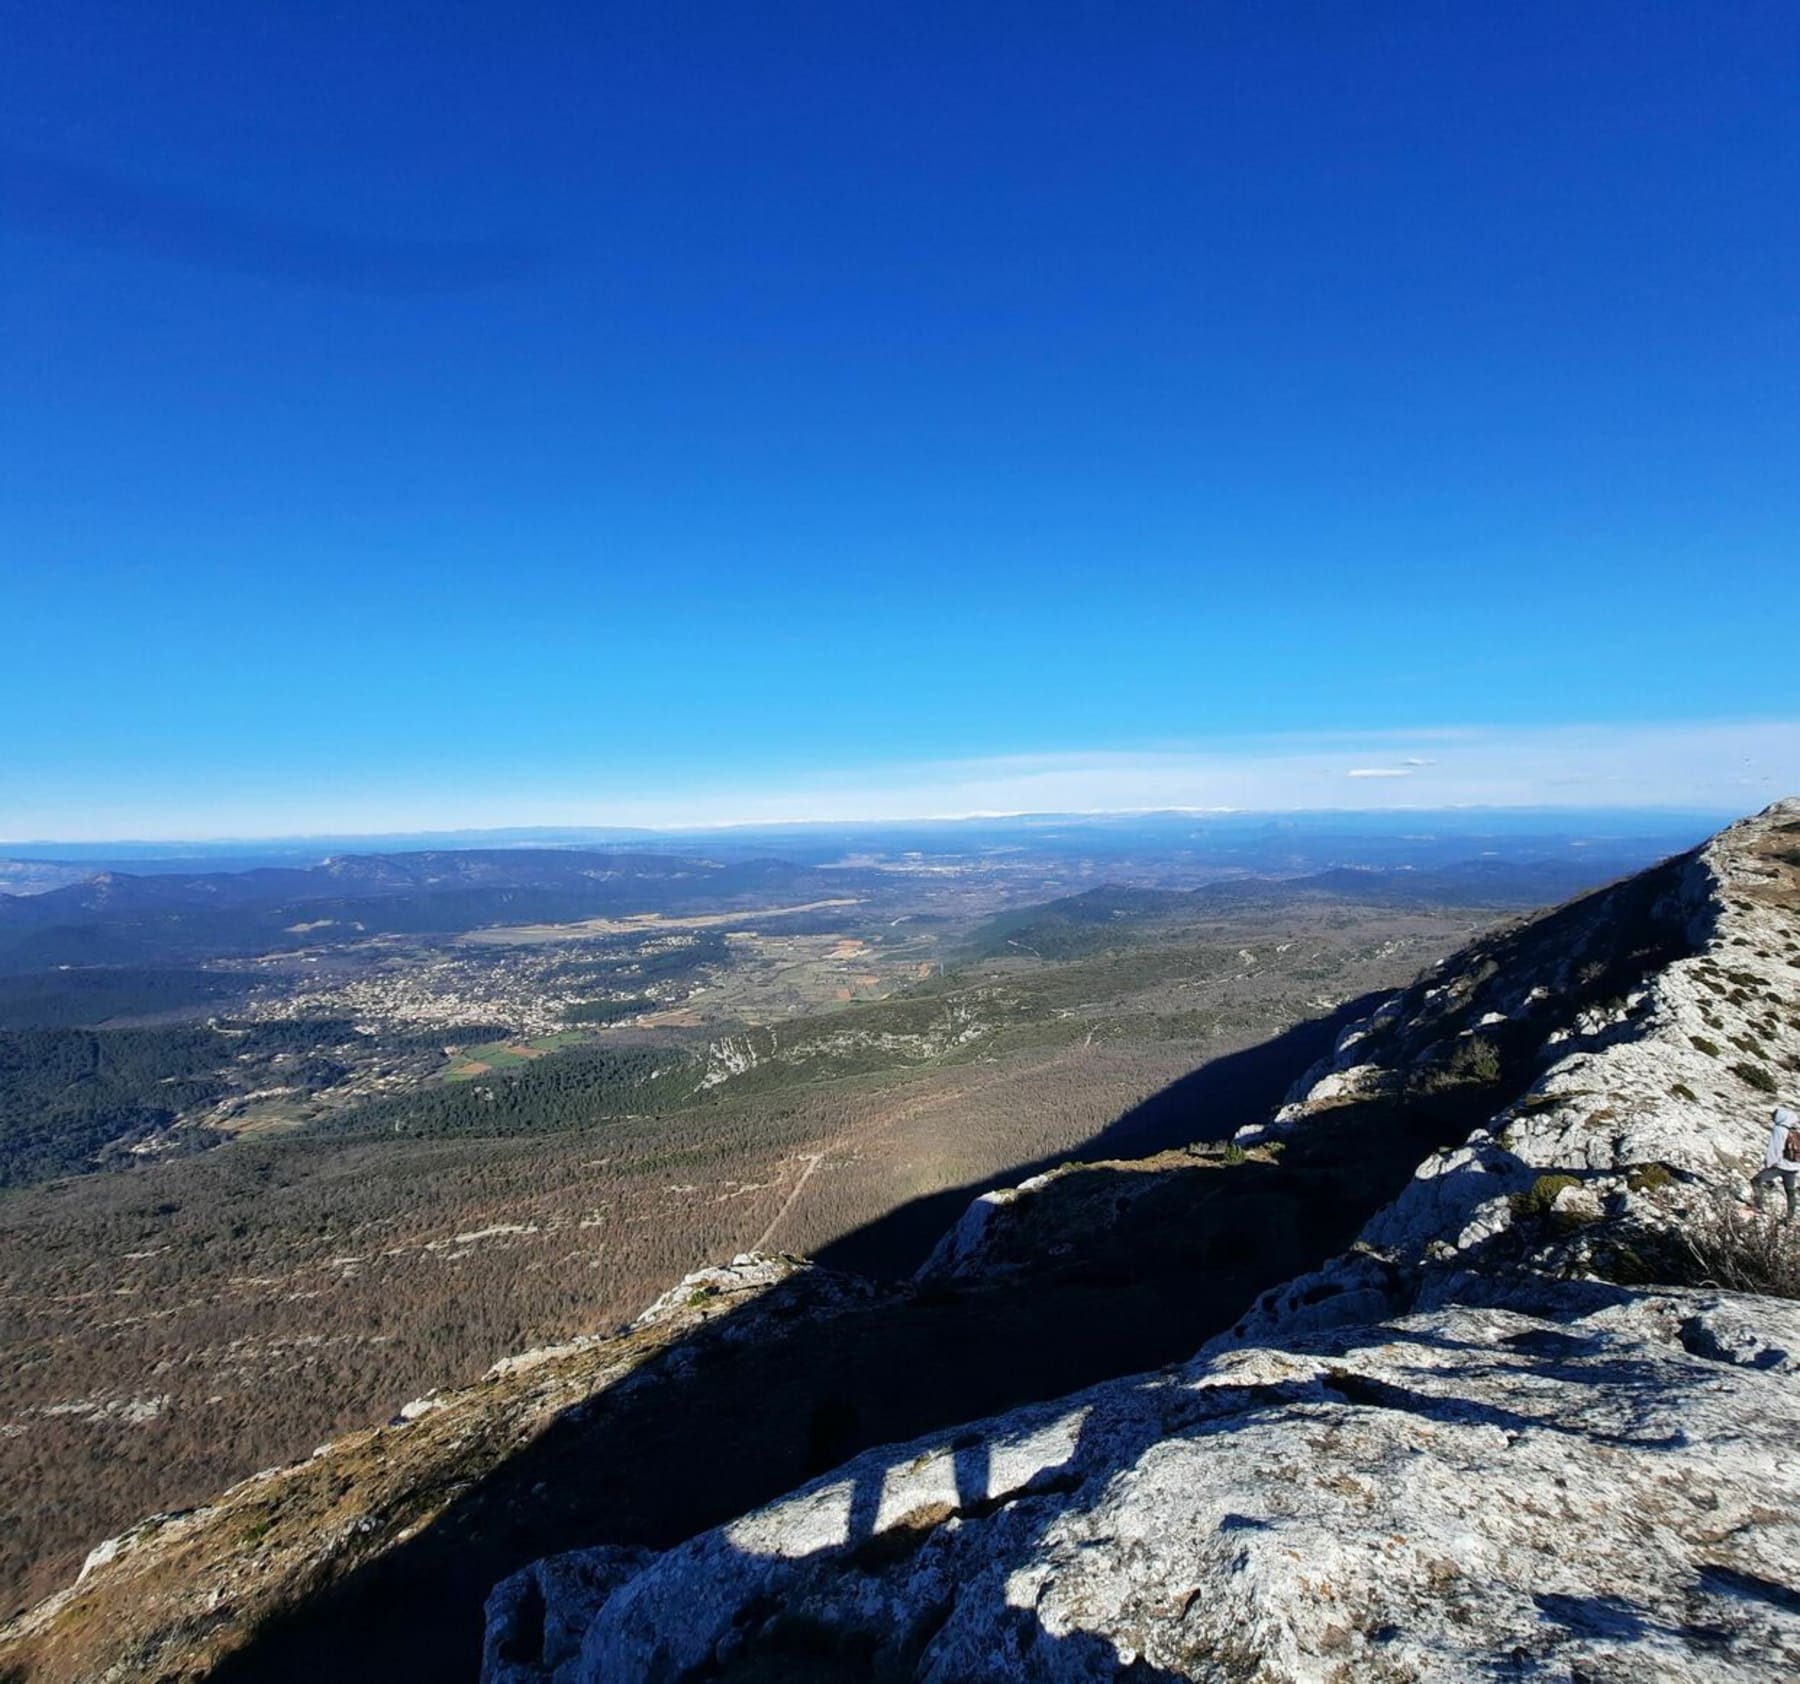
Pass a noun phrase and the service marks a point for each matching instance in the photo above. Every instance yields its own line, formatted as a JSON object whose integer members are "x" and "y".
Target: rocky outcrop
{"x": 1421, "y": 1500}
{"x": 1073, "y": 1215}
{"x": 1484, "y": 1441}
{"x": 1656, "y": 1021}
{"x": 909, "y": 1032}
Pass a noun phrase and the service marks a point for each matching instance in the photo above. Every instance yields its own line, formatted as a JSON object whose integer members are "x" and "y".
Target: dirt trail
{"x": 813, "y": 1160}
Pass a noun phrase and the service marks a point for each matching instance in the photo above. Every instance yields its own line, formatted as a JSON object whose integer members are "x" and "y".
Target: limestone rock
{"x": 1421, "y": 1499}
{"x": 537, "y": 1618}
{"x": 961, "y": 1250}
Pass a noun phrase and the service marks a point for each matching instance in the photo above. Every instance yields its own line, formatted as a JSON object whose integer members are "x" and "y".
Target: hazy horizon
{"x": 1557, "y": 819}
{"x": 1726, "y": 767}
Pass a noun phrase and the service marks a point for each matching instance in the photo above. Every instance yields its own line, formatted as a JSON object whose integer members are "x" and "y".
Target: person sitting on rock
{"x": 1783, "y": 1159}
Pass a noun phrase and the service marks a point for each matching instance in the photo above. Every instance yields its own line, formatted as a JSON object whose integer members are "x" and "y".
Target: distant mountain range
{"x": 1311, "y": 838}
{"x": 118, "y": 917}
{"x": 1102, "y": 917}
{"x": 158, "y": 914}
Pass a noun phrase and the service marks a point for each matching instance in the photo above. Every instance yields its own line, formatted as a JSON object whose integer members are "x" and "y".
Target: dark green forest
{"x": 73, "y": 1100}
{"x": 83, "y": 996}
{"x": 548, "y": 1095}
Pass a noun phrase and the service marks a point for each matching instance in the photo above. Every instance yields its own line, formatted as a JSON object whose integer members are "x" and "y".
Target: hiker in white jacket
{"x": 1782, "y": 1158}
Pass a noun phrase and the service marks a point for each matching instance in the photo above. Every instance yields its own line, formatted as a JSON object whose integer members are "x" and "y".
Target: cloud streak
{"x": 101, "y": 209}
{"x": 1713, "y": 767}
{"x": 1716, "y": 766}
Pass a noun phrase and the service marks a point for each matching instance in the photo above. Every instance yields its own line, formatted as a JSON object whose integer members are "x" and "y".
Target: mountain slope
{"x": 1484, "y": 1436}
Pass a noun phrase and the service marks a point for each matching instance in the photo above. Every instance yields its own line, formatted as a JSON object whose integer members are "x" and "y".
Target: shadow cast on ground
{"x": 852, "y": 1607}
{"x": 716, "y": 1425}
{"x": 1209, "y": 1104}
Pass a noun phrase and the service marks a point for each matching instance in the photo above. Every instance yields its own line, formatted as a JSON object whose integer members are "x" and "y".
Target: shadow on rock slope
{"x": 1130, "y": 1267}
{"x": 1208, "y": 1104}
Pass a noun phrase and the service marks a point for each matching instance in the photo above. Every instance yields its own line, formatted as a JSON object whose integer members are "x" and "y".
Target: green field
{"x": 500, "y": 1055}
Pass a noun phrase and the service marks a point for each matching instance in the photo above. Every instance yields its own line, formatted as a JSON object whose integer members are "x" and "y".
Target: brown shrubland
{"x": 168, "y": 1331}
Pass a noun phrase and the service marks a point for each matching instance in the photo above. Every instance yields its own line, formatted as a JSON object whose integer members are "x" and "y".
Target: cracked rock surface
{"x": 1586, "y": 1498}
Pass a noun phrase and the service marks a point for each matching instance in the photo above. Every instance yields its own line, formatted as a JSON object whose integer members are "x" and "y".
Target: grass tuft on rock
{"x": 1649, "y": 1178}
{"x": 1755, "y": 1076}
{"x": 1540, "y": 1198}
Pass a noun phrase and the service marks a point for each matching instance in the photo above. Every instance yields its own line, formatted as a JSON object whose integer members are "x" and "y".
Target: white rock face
{"x": 751, "y": 1271}
{"x": 961, "y": 1251}
{"x": 1662, "y": 1078}
{"x": 1419, "y": 1500}
{"x": 1455, "y": 1453}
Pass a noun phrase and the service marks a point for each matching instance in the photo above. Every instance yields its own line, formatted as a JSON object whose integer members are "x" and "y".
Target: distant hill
{"x": 121, "y": 917}
{"x": 1111, "y": 916}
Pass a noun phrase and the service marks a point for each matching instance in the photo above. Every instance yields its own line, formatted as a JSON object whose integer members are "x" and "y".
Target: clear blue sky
{"x": 476, "y": 413}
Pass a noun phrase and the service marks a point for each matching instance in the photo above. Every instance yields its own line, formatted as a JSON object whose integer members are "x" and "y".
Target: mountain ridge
{"x": 120, "y": 916}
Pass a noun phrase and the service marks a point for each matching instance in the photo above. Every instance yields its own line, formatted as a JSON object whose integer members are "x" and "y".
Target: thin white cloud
{"x": 1710, "y": 766}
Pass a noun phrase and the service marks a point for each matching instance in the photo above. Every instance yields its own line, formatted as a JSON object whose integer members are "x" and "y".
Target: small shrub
{"x": 1682, "y": 1091}
{"x": 1755, "y": 1076}
{"x": 1477, "y": 1060}
{"x": 1474, "y": 1062}
{"x": 1649, "y": 1178}
{"x": 1234, "y": 1154}
{"x": 1625, "y": 1265}
{"x": 1730, "y": 1246}
{"x": 1541, "y": 1196}
{"x": 1710, "y": 1048}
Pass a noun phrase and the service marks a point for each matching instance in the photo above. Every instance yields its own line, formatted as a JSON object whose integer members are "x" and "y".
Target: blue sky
{"x": 430, "y": 414}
